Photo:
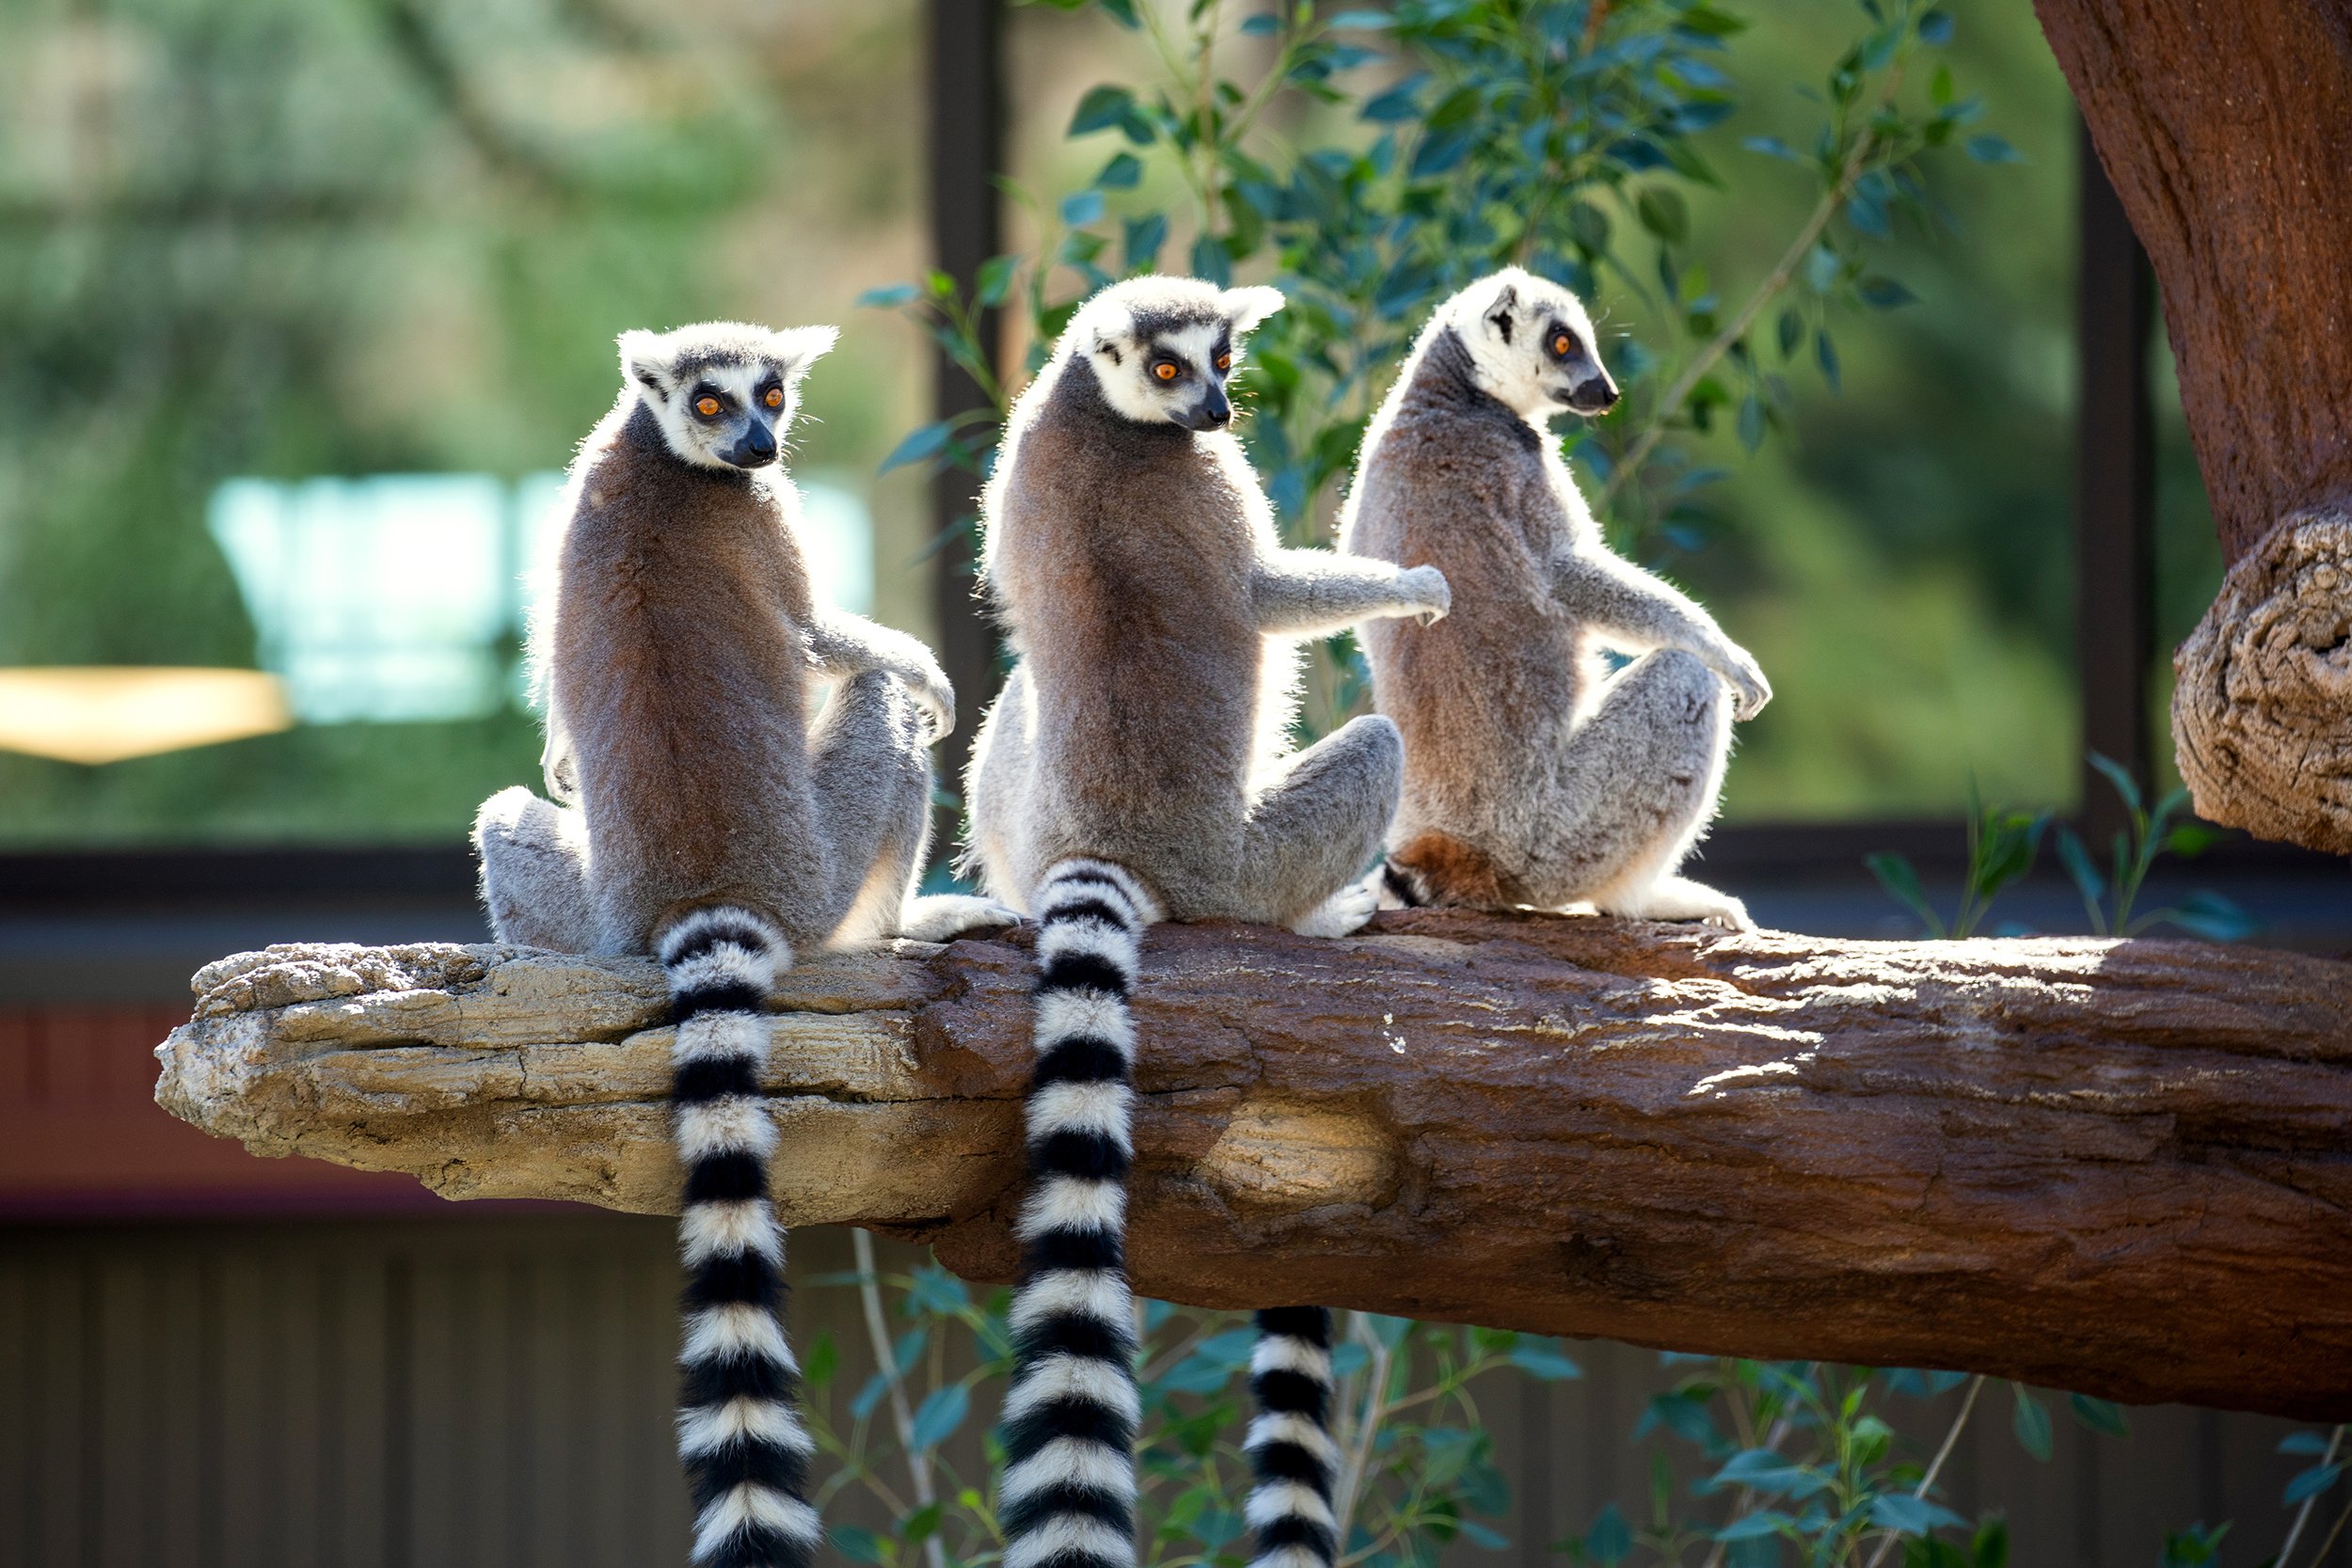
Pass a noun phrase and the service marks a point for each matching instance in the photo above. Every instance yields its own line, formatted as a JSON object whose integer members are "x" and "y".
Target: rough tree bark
{"x": 2226, "y": 126}
{"x": 2124, "y": 1167}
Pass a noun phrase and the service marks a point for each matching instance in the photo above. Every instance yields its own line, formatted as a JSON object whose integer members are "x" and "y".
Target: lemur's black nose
{"x": 1593, "y": 396}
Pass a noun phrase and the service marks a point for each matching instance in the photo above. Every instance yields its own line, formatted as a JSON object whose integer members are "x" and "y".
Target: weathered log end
{"x": 2124, "y": 1167}
{"x": 2262, "y": 713}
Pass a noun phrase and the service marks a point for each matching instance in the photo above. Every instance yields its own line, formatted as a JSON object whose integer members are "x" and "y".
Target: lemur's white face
{"x": 724, "y": 394}
{"x": 1166, "y": 360}
{"x": 1532, "y": 346}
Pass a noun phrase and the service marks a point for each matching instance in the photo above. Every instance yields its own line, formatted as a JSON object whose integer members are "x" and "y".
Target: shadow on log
{"x": 2120, "y": 1167}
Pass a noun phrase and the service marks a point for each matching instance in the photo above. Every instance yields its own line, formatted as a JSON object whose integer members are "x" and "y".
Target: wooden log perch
{"x": 2120, "y": 1167}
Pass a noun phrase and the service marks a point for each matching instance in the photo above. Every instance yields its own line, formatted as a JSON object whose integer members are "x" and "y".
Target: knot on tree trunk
{"x": 2262, "y": 713}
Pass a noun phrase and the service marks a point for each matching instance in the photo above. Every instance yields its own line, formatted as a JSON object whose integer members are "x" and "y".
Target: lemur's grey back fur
{"x": 1137, "y": 748}
{"x": 1533, "y": 777}
{"x": 716, "y": 826}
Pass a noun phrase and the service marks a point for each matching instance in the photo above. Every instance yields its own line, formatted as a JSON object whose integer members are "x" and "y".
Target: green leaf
{"x": 1610, "y": 1541}
{"x": 1993, "y": 150}
{"x": 1989, "y": 1546}
{"x": 925, "y": 443}
{"x": 2085, "y": 875}
{"x": 822, "y": 1360}
{"x": 858, "y": 1544}
{"x": 1124, "y": 172}
{"x": 1100, "y": 109}
{"x": 1080, "y": 208}
{"x": 1662, "y": 213}
{"x": 2303, "y": 1442}
{"x": 1773, "y": 147}
{"x": 1764, "y": 1521}
{"x": 1763, "y": 1470}
{"x": 1885, "y": 294}
{"x": 2099, "y": 1415}
{"x": 1825, "y": 354}
{"x": 921, "y": 1525}
{"x": 1144, "y": 237}
{"x": 1900, "y": 879}
{"x": 2030, "y": 1422}
{"x": 1791, "y": 332}
{"x": 1908, "y": 1515}
{"x": 993, "y": 281}
{"x": 1366, "y": 22}
{"x": 940, "y": 1413}
{"x": 2121, "y": 776}
{"x": 1936, "y": 27}
{"x": 2312, "y": 1483}
{"x": 1540, "y": 1360}
{"x": 890, "y": 296}
{"x": 1751, "y": 422}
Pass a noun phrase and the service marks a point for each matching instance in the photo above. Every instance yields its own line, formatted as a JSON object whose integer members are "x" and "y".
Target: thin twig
{"x": 1975, "y": 1386}
{"x": 918, "y": 1463}
{"x": 1774, "y": 281}
{"x": 1367, "y": 1426}
{"x": 1772, "y": 1434}
{"x": 2303, "y": 1515}
{"x": 2321, "y": 1555}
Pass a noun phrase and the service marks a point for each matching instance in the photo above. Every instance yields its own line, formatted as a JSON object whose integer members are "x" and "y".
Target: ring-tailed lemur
{"x": 1532, "y": 777}
{"x": 1131, "y": 770}
{"x": 720, "y": 829}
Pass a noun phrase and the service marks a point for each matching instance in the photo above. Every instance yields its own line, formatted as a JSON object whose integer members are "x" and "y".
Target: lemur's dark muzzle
{"x": 1594, "y": 396}
{"x": 756, "y": 449}
{"x": 1213, "y": 411}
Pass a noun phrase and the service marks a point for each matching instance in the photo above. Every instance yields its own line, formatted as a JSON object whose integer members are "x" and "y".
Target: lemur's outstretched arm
{"x": 1315, "y": 592}
{"x": 841, "y": 646}
{"x": 1622, "y": 602}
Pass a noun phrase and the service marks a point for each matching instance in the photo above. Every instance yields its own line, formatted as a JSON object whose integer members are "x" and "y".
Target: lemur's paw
{"x": 1343, "y": 911}
{"x": 1733, "y": 916}
{"x": 937, "y": 699}
{"x": 937, "y": 916}
{"x": 1430, "y": 591}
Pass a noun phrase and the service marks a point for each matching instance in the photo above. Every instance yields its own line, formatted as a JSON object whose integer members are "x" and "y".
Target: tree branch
{"x": 2115, "y": 1166}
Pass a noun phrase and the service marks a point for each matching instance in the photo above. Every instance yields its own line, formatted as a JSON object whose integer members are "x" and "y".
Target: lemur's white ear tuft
{"x": 799, "y": 347}
{"x": 1246, "y": 307}
{"x": 642, "y": 361}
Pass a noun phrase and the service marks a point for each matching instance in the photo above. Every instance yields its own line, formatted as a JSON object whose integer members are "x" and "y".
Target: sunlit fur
{"x": 1138, "y": 756}
{"x": 736, "y": 362}
{"x": 1510, "y": 322}
{"x": 1537, "y": 775}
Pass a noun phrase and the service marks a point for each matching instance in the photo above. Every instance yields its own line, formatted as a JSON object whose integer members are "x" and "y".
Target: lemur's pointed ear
{"x": 799, "y": 347}
{"x": 1505, "y": 309}
{"x": 643, "y": 360}
{"x": 1246, "y": 307}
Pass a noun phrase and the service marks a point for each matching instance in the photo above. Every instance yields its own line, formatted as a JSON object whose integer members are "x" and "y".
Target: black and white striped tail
{"x": 1069, "y": 1490}
{"x": 1292, "y": 1455}
{"x": 739, "y": 1433}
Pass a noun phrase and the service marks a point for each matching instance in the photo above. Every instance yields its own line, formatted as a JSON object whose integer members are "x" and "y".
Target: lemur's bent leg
{"x": 1637, "y": 787}
{"x": 998, "y": 786}
{"x": 535, "y": 872}
{"x": 870, "y": 783}
{"x": 1317, "y": 824}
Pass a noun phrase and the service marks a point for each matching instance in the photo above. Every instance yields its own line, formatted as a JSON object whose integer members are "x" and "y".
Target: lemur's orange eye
{"x": 774, "y": 397}
{"x": 1165, "y": 369}
{"x": 707, "y": 407}
{"x": 1560, "y": 344}
{"x": 1224, "y": 361}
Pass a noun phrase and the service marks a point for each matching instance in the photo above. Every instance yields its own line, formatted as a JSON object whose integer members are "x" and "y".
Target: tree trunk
{"x": 2226, "y": 127}
{"x": 2123, "y": 1167}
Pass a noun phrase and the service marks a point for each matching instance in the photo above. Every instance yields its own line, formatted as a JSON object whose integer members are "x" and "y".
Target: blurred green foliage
{"x": 358, "y": 236}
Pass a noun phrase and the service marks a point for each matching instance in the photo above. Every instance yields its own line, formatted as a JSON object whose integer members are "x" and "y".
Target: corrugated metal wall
{"x": 477, "y": 1392}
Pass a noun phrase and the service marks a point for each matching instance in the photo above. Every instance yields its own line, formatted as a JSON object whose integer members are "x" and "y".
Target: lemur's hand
{"x": 936, "y": 698}
{"x": 1426, "y": 588}
{"x": 1750, "y": 691}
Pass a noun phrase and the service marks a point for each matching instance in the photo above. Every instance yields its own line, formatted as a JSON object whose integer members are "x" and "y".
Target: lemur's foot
{"x": 1681, "y": 898}
{"x": 1343, "y": 911}
{"x": 937, "y": 916}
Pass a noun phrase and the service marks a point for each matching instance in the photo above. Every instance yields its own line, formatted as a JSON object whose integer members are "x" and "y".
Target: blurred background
{"x": 303, "y": 306}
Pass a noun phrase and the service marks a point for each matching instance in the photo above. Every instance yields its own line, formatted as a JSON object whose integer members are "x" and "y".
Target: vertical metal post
{"x": 2114, "y": 493}
{"x": 966, "y": 153}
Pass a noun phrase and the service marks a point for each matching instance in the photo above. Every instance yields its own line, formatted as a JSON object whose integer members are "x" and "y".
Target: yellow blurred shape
{"x": 98, "y": 714}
